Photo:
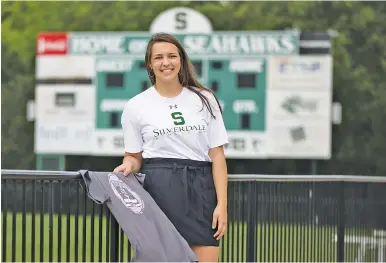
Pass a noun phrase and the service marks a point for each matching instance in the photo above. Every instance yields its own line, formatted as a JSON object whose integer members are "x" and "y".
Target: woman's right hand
{"x": 126, "y": 168}
{"x": 131, "y": 164}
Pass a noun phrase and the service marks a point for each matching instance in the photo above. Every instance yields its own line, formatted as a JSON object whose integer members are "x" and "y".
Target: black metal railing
{"x": 46, "y": 217}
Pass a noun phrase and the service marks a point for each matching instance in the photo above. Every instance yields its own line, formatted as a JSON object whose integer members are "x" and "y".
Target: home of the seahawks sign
{"x": 274, "y": 86}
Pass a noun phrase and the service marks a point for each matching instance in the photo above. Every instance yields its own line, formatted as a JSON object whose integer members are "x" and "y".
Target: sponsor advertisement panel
{"x": 65, "y": 103}
{"x": 65, "y": 138}
{"x": 299, "y": 101}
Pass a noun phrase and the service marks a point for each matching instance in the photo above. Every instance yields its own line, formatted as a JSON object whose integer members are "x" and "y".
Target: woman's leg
{"x": 206, "y": 253}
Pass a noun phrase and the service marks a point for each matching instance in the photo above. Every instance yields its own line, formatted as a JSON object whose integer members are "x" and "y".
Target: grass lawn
{"x": 273, "y": 242}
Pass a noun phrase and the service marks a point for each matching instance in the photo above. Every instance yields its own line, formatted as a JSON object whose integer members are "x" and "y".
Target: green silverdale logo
{"x": 180, "y": 129}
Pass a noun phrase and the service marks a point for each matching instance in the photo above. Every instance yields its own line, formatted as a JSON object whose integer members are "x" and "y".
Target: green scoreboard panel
{"x": 241, "y": 91}
{"x": 117, "y": 79}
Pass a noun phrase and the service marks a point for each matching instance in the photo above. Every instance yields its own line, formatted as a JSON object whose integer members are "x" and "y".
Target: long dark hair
{"x": 186, "y": 75}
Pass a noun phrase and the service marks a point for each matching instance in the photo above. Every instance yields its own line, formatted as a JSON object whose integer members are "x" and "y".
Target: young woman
{"x": 174, "y": 133}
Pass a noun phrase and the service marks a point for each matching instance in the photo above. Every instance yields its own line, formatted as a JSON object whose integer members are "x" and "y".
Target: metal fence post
{"x": 251, "y": 222}
{"x": 341, "y": 222}
{"x": 114, "y": 235}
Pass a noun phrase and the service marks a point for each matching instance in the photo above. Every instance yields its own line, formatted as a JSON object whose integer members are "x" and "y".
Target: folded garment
{"x": 151, "y": 234}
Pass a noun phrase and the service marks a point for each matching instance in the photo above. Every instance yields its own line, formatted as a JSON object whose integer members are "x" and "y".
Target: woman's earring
{"x": 150, "y": 73}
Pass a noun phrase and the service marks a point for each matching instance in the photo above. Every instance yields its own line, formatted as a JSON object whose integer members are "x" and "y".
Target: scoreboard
{"x": 276, "y": 101}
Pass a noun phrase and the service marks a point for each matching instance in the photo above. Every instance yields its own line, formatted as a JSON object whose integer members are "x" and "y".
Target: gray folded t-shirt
{"x": 151, "y": 234}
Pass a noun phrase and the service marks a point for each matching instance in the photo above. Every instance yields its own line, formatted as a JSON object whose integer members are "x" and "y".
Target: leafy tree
{"x": 17, "y": 135}
{"x": 359, "y": 67}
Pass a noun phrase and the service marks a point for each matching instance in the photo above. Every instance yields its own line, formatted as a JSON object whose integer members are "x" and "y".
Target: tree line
{"x": 359, "y": 53}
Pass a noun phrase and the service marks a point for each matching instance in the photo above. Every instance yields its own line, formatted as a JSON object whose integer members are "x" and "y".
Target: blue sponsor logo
{"x": 299, "y": 67}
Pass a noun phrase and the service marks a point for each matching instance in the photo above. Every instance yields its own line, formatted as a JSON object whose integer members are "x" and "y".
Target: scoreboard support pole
{"x": 51, "y": 162}
{"x": 314, "y": 167}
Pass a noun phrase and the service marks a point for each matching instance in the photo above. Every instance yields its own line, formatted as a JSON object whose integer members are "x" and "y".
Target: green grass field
{"x": 273, "y": 242}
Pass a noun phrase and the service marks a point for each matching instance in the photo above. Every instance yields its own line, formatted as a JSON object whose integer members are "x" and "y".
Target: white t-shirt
{"x": 172, "y": 127}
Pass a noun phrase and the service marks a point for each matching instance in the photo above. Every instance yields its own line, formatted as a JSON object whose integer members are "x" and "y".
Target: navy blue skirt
{"x": 185, "y": 192}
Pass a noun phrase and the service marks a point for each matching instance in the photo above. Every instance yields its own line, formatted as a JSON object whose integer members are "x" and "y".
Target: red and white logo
{"x": 52, "y": 44}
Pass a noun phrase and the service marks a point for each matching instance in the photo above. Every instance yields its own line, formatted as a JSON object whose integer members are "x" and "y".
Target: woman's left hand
{"x": 220, "y": 220}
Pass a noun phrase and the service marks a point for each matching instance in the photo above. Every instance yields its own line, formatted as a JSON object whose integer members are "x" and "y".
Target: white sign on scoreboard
{"x": 247, "y": 145}
{"x": 181, "y": 20}
{"x": 65, "y": 138}
{"x": 299, "y": 98}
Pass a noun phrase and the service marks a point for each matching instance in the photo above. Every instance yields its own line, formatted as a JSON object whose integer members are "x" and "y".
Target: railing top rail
{"x": 307, "y": 178}
{"x": 67, "y": 175}
{"x": 39, "y": 175}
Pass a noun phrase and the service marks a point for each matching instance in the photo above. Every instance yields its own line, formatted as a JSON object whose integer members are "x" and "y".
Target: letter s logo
{"x": 177, "y": 116}
{"x": 181, "y": 21}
